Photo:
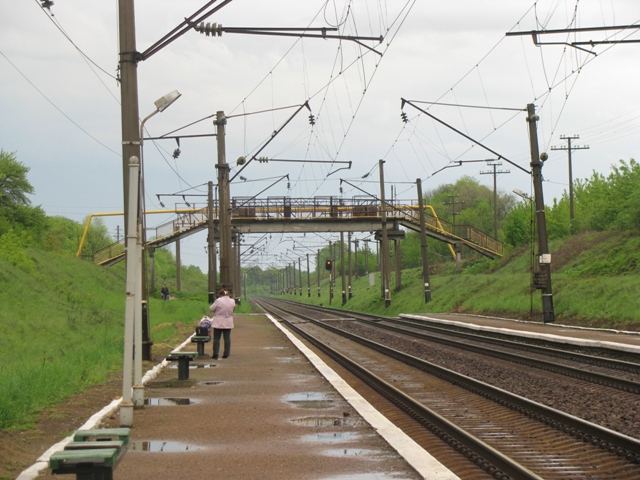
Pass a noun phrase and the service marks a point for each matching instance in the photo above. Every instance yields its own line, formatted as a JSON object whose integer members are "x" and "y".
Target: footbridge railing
{"x": 283, "y": 210}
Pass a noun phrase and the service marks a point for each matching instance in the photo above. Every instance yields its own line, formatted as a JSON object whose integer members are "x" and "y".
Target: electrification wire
{"x": 56, "y": 107}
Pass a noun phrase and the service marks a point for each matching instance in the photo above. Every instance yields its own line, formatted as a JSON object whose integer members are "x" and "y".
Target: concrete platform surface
{"x": 273, "y": 410}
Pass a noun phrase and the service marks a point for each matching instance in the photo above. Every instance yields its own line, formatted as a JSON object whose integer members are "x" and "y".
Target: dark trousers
{"x": 217, "y": 332}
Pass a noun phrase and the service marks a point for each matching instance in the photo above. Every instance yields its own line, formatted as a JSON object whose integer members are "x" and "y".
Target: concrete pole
{"x": 211, "y": 245}
{"x": 423, "y": 244}
{"x": 319, "y": 272}
{"x": 544, "y": 258}
{"x": 349, "y": 262}
{"x": 308, "y": 278}
{"x": 226, "y": 267}
{"x": 138, "y": 388}
{"x": 342, "y": 270}
{"x": 385, "y": 239}
{"x": 128, "y": 97}
{"x": 152, "y": 268}
{"x": 396, "y": 244}
{"x": 300, "y": 275}
{"x": 178, "y": 266}
{"x": 126, "y": 406}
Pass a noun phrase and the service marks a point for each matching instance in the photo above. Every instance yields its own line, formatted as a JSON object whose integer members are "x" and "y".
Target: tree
{"x": 14, "y": 186}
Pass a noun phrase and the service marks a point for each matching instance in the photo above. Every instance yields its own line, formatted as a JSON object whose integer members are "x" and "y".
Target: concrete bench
{"x": 183, "y": 359}
{"x": 92, "y": 455}
{"x": 201, "y": 340}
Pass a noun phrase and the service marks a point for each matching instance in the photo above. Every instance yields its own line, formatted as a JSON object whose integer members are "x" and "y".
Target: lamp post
{"x": 140, "y": 313}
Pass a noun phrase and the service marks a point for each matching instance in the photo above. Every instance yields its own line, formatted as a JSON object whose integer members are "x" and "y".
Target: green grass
{"x": 61, "y": 321}
{"x": 62, "y": 330}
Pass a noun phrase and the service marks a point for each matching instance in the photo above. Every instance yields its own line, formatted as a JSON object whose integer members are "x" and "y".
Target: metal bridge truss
{"x": 318, "y": 214}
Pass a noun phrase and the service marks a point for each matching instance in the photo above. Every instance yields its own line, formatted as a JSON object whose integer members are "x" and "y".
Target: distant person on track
{"x": 164, "y": 291}
{"x": 222, "y": 323}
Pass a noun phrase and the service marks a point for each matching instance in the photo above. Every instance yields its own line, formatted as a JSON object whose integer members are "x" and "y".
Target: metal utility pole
{"x": 569, "y": 148}
{"x": 423, "y": 244}
{"x": 542, "y": 277}
{"x": 495, "y": 174}
{"x": 226, "y": 277}
{"x": 385, "y": 240}
{"x": 211, "y": 241}
{"x": 300, "y": 275}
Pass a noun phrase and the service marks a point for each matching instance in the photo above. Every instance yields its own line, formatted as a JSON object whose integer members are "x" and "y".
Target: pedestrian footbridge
{"x": 319, "y": 215}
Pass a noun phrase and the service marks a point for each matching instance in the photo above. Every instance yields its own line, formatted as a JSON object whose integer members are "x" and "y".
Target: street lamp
{"x": 520, "y": 193}
{"x": 134, "y": 322}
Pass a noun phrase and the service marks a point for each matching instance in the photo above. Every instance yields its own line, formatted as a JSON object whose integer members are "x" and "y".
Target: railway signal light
{"x": 328, "y": 265}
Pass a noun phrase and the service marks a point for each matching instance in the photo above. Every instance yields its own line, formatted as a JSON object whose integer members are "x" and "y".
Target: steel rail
{"x": 483, "y": 455}
{"x": 621, "y": 445}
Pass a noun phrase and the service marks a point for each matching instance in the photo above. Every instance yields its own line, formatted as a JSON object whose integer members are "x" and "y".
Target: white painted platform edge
{"x": 542, "y": 336}
{"x": 43, "y": 461}
{"x": 421, "y": 460}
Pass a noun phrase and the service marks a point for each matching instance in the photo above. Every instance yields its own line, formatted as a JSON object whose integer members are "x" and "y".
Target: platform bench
{"x": 92, "y": 455}
{"x": 183, "y": 359}
{"x": 201, "y": 340}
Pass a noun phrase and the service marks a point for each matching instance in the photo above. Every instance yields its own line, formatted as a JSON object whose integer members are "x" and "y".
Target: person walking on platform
{"x": 222, "y": 323}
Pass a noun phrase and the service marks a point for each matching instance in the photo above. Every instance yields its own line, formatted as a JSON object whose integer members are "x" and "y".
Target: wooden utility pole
{"x": 569, "y": 148}
{"x": 495, "y": 174}
{"x": 542, "y": 277}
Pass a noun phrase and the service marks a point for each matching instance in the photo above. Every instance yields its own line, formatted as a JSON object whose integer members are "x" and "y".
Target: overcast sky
{"x": 60, "y": 112}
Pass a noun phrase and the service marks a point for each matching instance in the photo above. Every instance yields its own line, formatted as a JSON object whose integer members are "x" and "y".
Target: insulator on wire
{"x": 209, "y": 29}
{"x": 403, "y": 115}
{"x": 263, "y": 159}
{"x": 312, "y": 120}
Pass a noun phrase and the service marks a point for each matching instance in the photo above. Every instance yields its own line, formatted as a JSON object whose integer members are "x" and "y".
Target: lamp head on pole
{"x": 163, "y": 102}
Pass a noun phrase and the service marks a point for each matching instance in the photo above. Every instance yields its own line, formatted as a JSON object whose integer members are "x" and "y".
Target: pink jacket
{"x": 222, "y": 310}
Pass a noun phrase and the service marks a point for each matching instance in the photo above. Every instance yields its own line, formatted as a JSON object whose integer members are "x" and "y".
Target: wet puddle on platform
{"x": 332, "y": 437}
{"x": 309, "y": 400}
{"x": 212, "y": 383}
{"x": 368, "y": 476}
{"x": 352, "y": 452}
{"x": 161, "y": 446}
{"x": 168, "y": 402}
{"x": 328, "y": 421}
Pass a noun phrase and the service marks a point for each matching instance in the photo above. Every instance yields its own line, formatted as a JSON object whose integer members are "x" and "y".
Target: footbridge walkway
{"x": 318, "y": 214}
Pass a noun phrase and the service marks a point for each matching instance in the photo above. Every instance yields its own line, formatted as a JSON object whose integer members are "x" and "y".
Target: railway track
{"x": 501, "y": 435}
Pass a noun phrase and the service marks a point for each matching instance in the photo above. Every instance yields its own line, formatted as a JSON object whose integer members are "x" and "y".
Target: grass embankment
{"x": 596, "y": 280}
{"x": 62, "y": 331}
{"x": 62, "y": 321}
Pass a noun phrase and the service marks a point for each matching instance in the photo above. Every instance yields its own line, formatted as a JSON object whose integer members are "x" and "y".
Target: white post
{"x": 138, "y": 389}
{"x": 126, "y": 407}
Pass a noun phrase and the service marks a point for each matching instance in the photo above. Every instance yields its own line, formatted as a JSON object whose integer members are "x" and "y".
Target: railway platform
{"x": 272, "y": 410}
{"x": 616, "y": 339}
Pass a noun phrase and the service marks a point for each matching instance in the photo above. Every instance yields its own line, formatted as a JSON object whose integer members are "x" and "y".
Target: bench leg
{"x": 200, "y": 349}
{"x": 183, "y": 369}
